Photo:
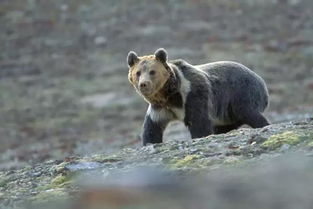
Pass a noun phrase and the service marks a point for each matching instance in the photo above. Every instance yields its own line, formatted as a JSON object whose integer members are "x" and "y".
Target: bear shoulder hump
{"x": 182, "y": 64}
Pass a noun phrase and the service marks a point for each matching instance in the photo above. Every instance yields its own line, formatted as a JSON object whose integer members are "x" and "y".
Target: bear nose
{"x": 145, "y": 85}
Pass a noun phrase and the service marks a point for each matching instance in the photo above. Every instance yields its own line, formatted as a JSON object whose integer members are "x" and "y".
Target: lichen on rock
{"x": 186, "y": 161}
{"x": 55, "y": 180}
{"x": 287, "y": 137}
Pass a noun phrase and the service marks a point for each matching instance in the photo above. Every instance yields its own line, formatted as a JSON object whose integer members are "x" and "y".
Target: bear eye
{"x": 152, "y": 72}
{"x": 138, "y": 73}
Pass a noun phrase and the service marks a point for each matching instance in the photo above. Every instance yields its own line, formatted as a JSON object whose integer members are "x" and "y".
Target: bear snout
{"x": 145, "y": 87}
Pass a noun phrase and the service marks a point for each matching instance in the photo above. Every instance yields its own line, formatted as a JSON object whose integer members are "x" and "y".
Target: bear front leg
{"x": 197, "y": 118}
{"x": 155, "y": 122}
{"x": 152, "y": 132}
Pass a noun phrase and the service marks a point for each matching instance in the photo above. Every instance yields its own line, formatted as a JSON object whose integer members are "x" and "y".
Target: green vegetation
{"x": 186, "y": 161}
{"x": 278, "y": 140}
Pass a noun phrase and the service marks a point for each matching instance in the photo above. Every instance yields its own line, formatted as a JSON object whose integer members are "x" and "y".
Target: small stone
{"x": 64, "y": 7}
{"x": 15, "y": 15}
{"x": 256, "y": 139}
{"x": 231, "y": 159}
{"x": 83, "y": 166}
{"x": 284, "y": 147}
{"x": 233, "y": 145}
{"x": 149, "y": 148}
{"x": 300, "y": 123}
{"x": 100, "y": 40}
{"x": 35, "y": 174}
{"x": 193, "y": 151}
{"x": 294, "y": 2}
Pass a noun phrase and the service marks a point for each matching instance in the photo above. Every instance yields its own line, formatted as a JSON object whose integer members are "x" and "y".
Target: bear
{"x": 212, "y": 98}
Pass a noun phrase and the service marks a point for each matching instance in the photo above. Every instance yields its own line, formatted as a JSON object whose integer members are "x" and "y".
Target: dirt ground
{"x": 63, "y": 73}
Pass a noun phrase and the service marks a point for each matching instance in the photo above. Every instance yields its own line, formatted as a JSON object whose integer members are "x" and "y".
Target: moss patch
{"x": 60, "y": 180}
{"x": 310, "y": 144}
{"x": 107, "y": 159}
{"x": 276, "y": 141}
{"x": 231, "y": 160}
{"x": 52, "y": 195}
{"x": 185, "y": 161}
{"x": 3, "y": 182}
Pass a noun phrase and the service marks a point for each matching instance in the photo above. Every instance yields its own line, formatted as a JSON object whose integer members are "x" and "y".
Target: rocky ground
{"x": 64, "y": 90}
{"x": 63, "y": 74}
{"x": 263, "y": 155}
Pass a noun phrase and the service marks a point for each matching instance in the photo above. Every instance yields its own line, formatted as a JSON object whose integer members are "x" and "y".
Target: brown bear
{"x": 211, "y": 98}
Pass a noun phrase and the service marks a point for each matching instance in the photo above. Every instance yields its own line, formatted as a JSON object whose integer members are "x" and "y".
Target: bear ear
{"x": 132, "y": 58}
{"x": 161, "y": 55}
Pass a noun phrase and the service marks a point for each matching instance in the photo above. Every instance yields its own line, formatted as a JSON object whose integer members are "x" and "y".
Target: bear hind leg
{"x": 254, "y": 119}
{"x": 225, "y": 128}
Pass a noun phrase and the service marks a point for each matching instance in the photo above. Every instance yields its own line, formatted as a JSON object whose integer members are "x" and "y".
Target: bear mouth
{"x": 145, "y": 92}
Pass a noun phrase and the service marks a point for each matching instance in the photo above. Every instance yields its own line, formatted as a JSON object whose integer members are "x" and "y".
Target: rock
{"x": 56, "y": 180}
{"x": 106, "y": 100}
{"x": 77, "y": 166}
{"x": 286, "y": 138}
{"x": 100, "y": 40}
{"x": 35, "y": 174}
{"x": 15, "y": 16}
{"x": 64, "y": 7}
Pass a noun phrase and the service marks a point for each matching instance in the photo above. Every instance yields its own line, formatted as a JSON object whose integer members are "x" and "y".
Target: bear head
{"x": 148, "y": 74}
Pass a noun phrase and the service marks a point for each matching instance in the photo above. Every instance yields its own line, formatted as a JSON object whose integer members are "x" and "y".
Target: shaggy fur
{"x": 211, "y": 98}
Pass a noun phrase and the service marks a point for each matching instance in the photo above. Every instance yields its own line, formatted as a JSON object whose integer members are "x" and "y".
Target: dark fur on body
{"x": 211, "y": 98}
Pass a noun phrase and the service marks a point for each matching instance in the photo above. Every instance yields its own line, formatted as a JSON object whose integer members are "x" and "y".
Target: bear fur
{"x": 211, "y": 98}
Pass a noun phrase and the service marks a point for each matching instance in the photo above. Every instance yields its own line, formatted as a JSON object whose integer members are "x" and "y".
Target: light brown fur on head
{"x": 155, "y": 81}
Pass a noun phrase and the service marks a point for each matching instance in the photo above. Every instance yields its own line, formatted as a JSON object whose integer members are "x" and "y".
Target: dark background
{"x": 63, "y": 73}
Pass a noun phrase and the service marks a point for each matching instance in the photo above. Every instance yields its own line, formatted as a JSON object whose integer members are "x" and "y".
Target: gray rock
{"x": 231, "y": 156}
